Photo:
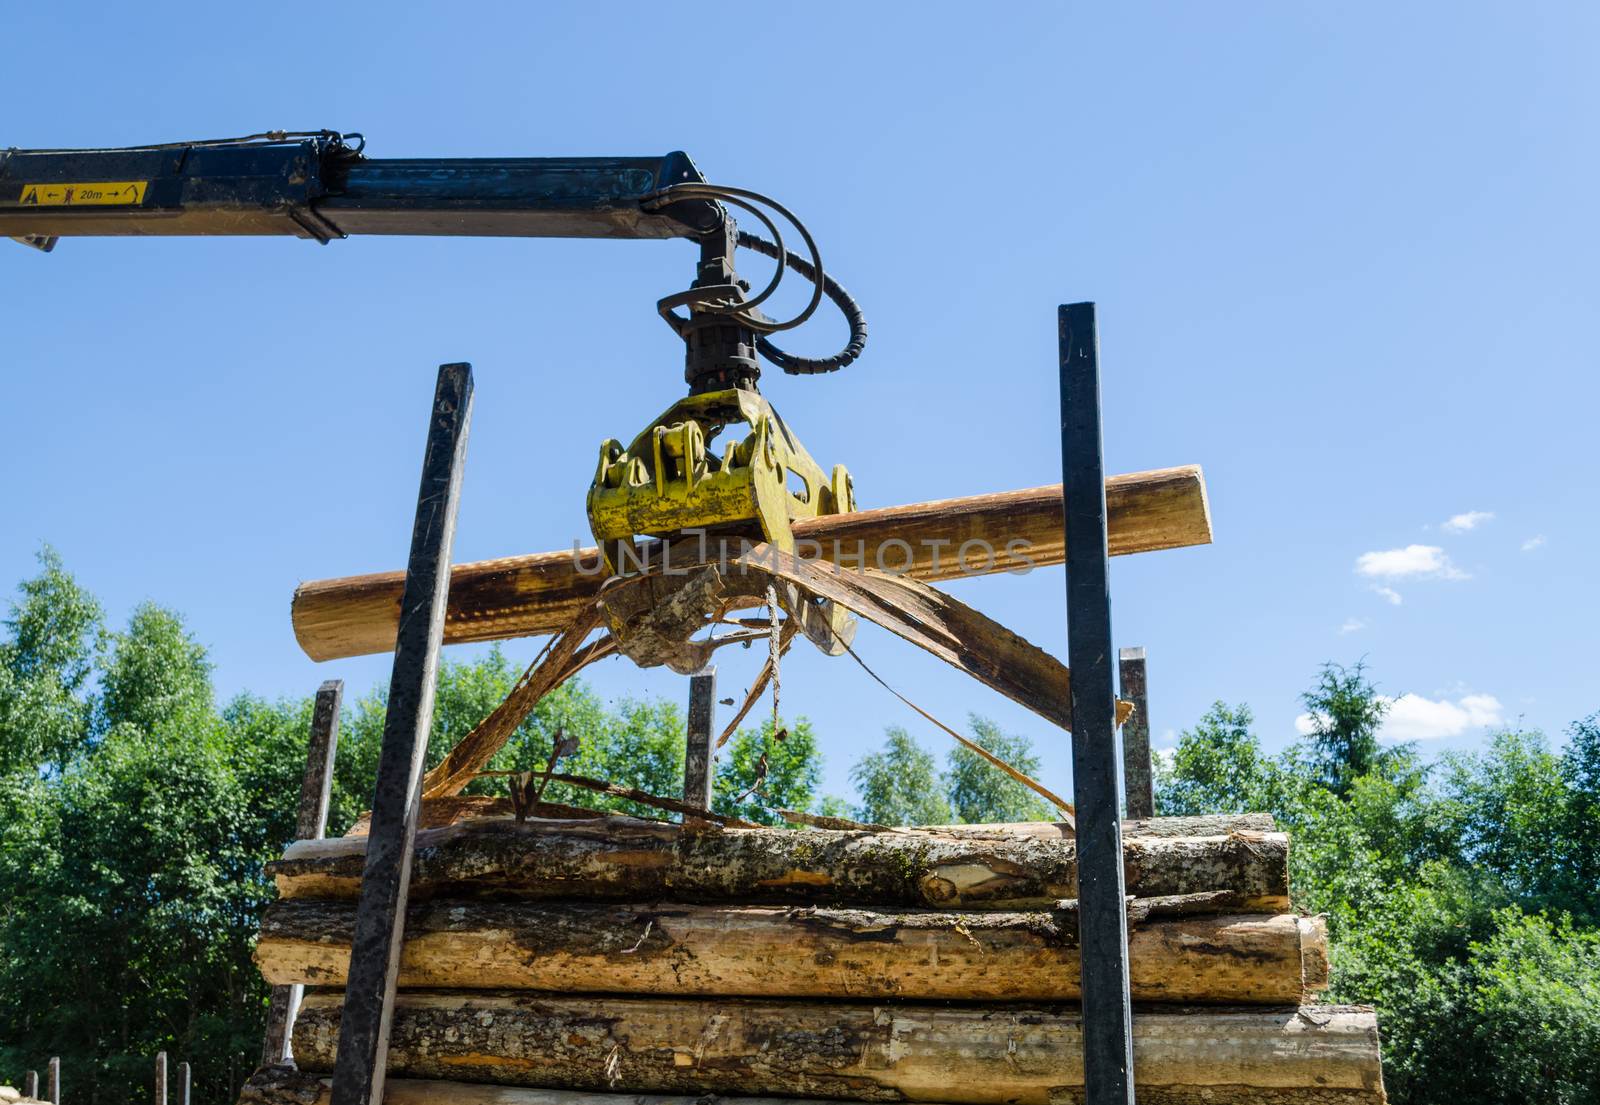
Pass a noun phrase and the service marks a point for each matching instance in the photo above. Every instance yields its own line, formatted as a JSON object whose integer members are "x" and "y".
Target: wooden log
{"x": 624, "y": 859}
{"x": 288, "y": 1086}
{"x": 518, "y": 596}
{"x": 778, "y": 951}
{"x": 455, "y": 808}
{"x": 285, "y": 1085}
{"x": 969, "y": 1055}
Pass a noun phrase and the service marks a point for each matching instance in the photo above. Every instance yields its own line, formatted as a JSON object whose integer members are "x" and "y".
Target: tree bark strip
{"x": 517, "y": 596}
{"x": 625, "y": 859}
{"x": 973, "y": 1055}
{"x": 287, "y": 1086}
{"x": 777, "y": 951}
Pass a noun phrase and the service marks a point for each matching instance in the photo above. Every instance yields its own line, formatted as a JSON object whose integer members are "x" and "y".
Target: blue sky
{"x": 1344, "y": 257}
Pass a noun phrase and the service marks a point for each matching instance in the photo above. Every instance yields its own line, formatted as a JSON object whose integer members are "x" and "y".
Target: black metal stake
{"x": 1136, "y": 736}
{"x": 53, "y": 1081}
{"x": 359, "y": 1067}
{"x": 699, "y": 755}
{"x": 1096, "y": 766}
{"x": 30, "y": 1085}
{"x": 161, "y": 1078}
{"x": 183, "y": 1084}
{"x": 311, "y": 820}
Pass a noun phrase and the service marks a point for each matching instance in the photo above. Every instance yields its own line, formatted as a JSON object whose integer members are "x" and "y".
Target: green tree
{"x": 980, "y": 792}
{"x": 157, "y": 673}
{"x": 1218, "y": 767}
{"x": 52, "y": 640}
{"x": 793, "y": 771}
{"x": 900, "y": 785}
{"x": 1345, "y": 711}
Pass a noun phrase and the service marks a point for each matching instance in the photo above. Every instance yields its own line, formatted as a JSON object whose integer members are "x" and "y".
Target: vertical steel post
{"x": 30, "y": 1085}
{"x": 1096, "y": 766}
{"x": 1136, "y": 768}
{"x": 359, "y": 1067}
{"x": 699, "y": 755}
{"x": 52, "y": 1076}
{"x": 161, "y": 1078}
{"x": 311, "y": 820}
{"x": 183, "y": 1084}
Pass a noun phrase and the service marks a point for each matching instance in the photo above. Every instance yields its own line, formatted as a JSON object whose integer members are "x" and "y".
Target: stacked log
{"x": 573, "y": 961}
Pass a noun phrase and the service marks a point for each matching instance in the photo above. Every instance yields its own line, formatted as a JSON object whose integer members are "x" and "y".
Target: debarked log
{"x": 969, "y": 1055}
{"x": 517, "y": 596}
{"x": 625, "y": 859}
{"x": 779, "y": 951}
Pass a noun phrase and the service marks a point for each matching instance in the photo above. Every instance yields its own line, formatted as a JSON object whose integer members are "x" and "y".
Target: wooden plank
{"x": 386, "y": 875}
{"x": 1136, "y": 767}
{"x": 518, "y": 596}
{"x": 814, "y": 952}
{"x": 1096, "y": 769}
{"x": 699, "y": 759}
{"x": 311, "y": 820}
{"x": 625, "y": 859}
{"x": 1018, "y": 1054}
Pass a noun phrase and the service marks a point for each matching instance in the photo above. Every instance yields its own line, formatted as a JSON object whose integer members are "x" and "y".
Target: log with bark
{"x": 778, "y": 951}
{"x": 624, "y": 859}
{"x": 517, "y": 596}
{"x": 968, "y": 1055}
{"x": 287, "y": 1086}
{"x": 452, "y": 809}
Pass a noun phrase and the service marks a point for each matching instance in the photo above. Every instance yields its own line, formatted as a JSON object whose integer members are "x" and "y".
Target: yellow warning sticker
{"x": 114, "y": 193}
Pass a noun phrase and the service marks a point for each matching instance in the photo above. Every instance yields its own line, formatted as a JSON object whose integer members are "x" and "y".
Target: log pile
{"x": 615, "y": 961}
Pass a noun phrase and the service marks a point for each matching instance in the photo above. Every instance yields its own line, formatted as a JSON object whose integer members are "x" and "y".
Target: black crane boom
{"x": 320, "y": 187}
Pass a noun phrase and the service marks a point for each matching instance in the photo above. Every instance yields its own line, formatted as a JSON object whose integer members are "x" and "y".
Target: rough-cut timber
{"x": 518, "y": 596}
{"x": 287, "y": 1086}
{"x": 778, "y": 951}
{"x": 624, "y": 859}
{"x": 970, "y": 1055}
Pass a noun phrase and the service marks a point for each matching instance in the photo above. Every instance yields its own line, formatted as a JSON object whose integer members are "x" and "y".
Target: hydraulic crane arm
{"x": 315, "y": 185}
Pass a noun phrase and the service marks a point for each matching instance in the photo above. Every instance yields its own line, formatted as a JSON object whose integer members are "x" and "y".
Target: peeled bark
{"x": 1013, "y": 1055}
{"x": 777, "y": 951}
{"x": 624, "y": 859}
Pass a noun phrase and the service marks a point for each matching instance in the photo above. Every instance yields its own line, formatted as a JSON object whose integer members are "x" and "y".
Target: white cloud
{"x": 1413, "y": 561}
{"x": 1412, "y": 717}
{"x": 1472, "y": 519}
{"x": 1389, "y": 594}
{"x": 1534, "y": 542}
{"x": 1352, "y": 625}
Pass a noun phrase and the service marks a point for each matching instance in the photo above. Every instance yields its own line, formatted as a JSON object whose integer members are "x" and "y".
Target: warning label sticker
{"x": 114, "y": 193}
